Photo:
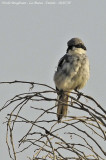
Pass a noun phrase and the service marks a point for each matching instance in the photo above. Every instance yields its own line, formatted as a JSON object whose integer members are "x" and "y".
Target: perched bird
{"x": 72, "y": 74}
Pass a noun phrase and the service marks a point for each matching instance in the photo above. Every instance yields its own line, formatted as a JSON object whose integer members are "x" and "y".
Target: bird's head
{"x": 76, "y": 45}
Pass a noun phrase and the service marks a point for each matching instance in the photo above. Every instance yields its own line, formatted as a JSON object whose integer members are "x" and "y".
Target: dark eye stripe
{"x": 77, "y": 46}
{"x": 80, "y": 46}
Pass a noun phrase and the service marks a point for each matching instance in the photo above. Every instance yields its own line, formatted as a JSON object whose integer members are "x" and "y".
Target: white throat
{"x": 76, "y": 50}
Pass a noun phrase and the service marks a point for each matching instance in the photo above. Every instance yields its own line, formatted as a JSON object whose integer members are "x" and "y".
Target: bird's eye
{"x": 80, "y": 46}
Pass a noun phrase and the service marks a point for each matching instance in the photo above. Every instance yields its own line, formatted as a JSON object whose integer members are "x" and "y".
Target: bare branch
{"x": 81, "y": 136}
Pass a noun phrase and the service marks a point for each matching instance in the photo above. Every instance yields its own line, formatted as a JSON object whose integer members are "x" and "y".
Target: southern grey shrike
{"x": 72, "y": 74}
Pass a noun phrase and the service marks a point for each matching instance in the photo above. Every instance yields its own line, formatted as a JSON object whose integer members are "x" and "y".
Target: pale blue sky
{"x": 34, "y": 37}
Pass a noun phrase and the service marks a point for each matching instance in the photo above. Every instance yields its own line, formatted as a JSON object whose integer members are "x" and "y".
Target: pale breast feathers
{"x": 72, "y": 71}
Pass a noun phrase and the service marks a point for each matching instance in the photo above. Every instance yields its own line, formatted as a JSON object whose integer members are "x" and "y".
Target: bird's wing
{"x": 69, "y": 65}
{"x": 62, "y": 61}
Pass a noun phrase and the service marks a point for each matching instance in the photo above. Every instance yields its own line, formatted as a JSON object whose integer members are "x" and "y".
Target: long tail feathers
{"x": 62, "y": 106}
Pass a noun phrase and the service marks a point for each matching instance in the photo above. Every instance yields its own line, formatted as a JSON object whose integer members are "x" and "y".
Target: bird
{"x": 72, "y": 73}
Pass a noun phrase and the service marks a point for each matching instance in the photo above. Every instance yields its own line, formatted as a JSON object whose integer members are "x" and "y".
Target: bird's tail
{"x": 62, "y": 106}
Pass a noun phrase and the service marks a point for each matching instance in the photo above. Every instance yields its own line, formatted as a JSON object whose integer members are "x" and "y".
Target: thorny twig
{"x": 79, "y": 137}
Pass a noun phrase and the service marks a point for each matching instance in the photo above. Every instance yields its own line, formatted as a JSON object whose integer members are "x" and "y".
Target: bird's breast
{"x": 73, "y": 74}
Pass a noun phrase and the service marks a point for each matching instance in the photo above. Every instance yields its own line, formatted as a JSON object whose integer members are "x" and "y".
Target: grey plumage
{"x": 72, "y": 73}
{"x": 74, "y": 41}
{"x": 62, "y": 105}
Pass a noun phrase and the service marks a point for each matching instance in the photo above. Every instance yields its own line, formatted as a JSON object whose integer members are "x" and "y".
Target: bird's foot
{"x": 79, "y": 94}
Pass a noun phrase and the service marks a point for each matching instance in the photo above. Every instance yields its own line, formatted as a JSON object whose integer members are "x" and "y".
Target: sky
{"x": 34, "y": 36}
